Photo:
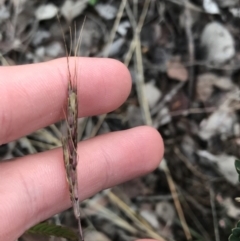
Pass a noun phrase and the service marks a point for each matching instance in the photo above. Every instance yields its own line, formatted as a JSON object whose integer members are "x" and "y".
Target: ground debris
{"x": 200, "y": 128}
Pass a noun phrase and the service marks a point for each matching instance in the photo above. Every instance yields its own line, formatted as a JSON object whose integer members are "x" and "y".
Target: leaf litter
{"x": 202, "y": 123}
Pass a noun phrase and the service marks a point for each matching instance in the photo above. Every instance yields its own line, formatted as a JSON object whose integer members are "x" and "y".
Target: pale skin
{"x": 34, "y": 188}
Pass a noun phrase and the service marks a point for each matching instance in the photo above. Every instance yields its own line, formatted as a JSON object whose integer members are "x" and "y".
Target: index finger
{"x": 33, "y": 96}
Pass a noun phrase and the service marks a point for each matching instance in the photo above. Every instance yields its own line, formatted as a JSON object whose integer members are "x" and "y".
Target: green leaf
{"x": 235, "y": 236}
{"x": 53, "y": 230}
{"x": 237, "y": 166}
{"x": 92, "y": 2}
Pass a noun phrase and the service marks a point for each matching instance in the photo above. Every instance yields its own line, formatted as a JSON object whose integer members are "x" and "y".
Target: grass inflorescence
{"x": 70, "y": 141}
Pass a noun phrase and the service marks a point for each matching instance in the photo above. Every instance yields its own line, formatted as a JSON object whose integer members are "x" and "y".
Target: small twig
{"x": 106, "y": 53}
{"x": 155, "y": 198}
{"x": 191, "y": 48}
{"x": 27, "y": 144}
{"x": 214, "y": 214}
{"x": 114, "y": 28}
{"x": 199, "y": 225}
{"x": 141, "y": 223}
{"x": 137, "y": 32}
{"x": 56, "y": 131}
{"x": 204, "y": 63}
{"x": 177, "y": 203}
{"x": 44, "y": 134}
{"x": 192, "y": 111}
{"x": 131, "y": 16}
{"x": 135, "y": 8}
{"x": 188, "y": 5}
{"x": 140, "y": 84}
{"x": 109, "y": 215}
{"x": 167, "y": 98}
{"x": 193, "y": 201}
{"x": 192, "y": 168}
{"x": 96, "y": 128}
{"x": 81, "y": 130}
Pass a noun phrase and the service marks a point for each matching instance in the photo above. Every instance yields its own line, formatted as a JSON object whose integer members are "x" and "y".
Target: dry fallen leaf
{"x": 206, "y": 82}
{"x": 219, "y": 122}
{"x": 205, "y": 86}
{"x": 232, "y": 210}
{"x": 225, "y": 164}
{"x": 176, "y": 70}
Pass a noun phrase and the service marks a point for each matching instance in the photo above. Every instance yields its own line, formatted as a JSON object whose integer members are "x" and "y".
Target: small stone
{"x": 71, "y": 9}
{"x": 217, "y": 43}
{"x": 106, "y": 11}
{"x": 54, "y": 49}
{"x": 116, "y": 46}
{"x": 95, "y": 235}
{"x": 210, "y": 6}
{"x": 40, "y": 52}
{"x": 4, "y": 12}
{"x": 40, "y": 36}
{"x": 166, "y": 212}
{"x": 123, "y": 28}
{"x": 153, "y": 94}
{"x": 134, "y": 116}
{"x": 45, "y": 12}
{"x": 150, "y": 216}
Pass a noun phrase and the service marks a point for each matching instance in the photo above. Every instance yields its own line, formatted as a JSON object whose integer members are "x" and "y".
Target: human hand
{"x": 33, "y": 188}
